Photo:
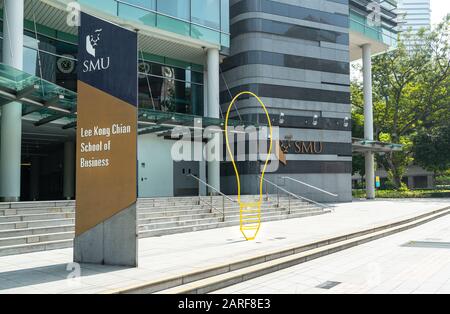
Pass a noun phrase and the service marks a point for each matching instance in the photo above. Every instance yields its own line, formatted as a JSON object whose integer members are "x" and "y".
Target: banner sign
{"x": 106, "y": 144}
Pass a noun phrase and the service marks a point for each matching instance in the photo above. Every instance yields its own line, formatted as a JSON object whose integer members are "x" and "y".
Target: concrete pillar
{"x": 34, "y": 178}
{"x": 410, "y": 182}
{"x": 202, "y": 174}
{"x": 213, "y": 112}
{"x": 69, "y": 170}
{"x": 11, "y": 120}
{"x": 368, "y": 120}
{"x": 430, "y": 182}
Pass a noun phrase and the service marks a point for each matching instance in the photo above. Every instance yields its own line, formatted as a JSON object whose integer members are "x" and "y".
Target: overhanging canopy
{"x": 363, "y": 146}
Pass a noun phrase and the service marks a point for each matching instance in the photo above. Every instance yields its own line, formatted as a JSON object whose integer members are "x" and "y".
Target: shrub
{"x": 405, "y": 194}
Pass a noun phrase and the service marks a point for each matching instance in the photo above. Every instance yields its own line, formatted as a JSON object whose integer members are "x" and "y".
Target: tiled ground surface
{"x": 46, "y": 272}
{"x": 382, "y": 266}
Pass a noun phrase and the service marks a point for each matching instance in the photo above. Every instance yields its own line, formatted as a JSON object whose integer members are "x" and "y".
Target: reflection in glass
{"x": 170, "y": 89}
{"x": 148, "y": 4}
{"x": 206, "y": 12}
{"x": 177, "y": 8}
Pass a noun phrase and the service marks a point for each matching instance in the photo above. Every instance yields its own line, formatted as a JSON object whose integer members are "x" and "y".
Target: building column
{"x": 69, "y": 170}
{"x": 202, "y": 191}
{"x": 410, "y": 182}
{"x": 368, "y": 120}
{"x": 430, "y": 181}
{"x": 11, "y": 120}
{"x": 213, "y": 109}
{"x": 34, "y": 178}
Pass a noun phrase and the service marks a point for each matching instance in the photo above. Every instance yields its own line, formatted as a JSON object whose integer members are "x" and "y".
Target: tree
{"x": 432, "y": 149}
{"x": 411, "y": 87}
{"x": 358, "y": 165}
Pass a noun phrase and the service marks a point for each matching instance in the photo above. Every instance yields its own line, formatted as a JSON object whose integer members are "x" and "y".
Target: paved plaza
{"x": 389, "y": 265}
{"x": 52, "y": 271}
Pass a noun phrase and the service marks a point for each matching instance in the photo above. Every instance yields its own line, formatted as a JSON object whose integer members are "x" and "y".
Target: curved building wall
{"x": 295, "y": 56}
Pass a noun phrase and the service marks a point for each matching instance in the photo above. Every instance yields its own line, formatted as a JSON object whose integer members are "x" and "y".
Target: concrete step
{"x": 28, "y": 228}
{"x": 172, "y": 213}
{"x": 168, "y": 208}
{"x": 35, "y": 231}
{"x": 34, "y": 239}
{"x": 195, "y": 211}
{"x": 39, "y": 210}
{"x": 170, "y": 222}
{"x": 36, "y": 224}
{"x": 56, "y": 240}
{"x": 151, "y": 218}
{"x": 36, "y": 217}
{"x": 35, "y": 247}
{"x": 148, "y": 218}
{"x": 46, "y": 204}
{"x": 195, "y": 226}
{"x": 229, "y": 273}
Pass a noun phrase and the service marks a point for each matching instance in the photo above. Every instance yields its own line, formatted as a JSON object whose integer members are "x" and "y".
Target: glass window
{"x": 109, "y": 6}
{"x": 206, "y": 12}
{"x": 173, "y": 25}
{"x": 176, "y": 8}
{"x": 170, "y": 89}
{"x": 148, "y": 4}
{"x": 225, "y": 16}
{"x": 205, "y": 34}
{"x": 129, "y": 12}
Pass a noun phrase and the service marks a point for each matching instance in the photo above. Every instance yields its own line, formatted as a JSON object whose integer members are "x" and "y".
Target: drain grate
{"x": 327, "y": 285}
{"x": 428, "y": 244}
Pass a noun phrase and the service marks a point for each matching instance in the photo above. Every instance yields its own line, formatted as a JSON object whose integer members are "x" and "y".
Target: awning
{"x": 363, "y": 146}
{"x": 45, "y": 102}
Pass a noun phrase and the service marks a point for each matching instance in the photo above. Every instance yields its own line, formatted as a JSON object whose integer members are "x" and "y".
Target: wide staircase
{"x": 38, "y": 226}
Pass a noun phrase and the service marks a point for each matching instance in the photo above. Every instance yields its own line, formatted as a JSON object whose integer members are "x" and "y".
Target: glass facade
{"x": 170, "y": 89}
{"x": 386, "y": 31}
{"x": 206, "y": 20}
{"x": 51, "y": 59}
{"x": 164, "y": 84}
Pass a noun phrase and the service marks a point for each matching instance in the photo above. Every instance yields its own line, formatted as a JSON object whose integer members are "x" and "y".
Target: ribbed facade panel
{"x": 294, "y": 54}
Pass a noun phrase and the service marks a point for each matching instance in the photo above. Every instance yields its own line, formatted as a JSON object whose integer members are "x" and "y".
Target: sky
{"x": 439, "y": 9}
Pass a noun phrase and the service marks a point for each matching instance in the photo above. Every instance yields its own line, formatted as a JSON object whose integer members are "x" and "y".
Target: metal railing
{"x": 211, "y": 203}
{"x": 292, "y": 195}
{"x": 310, "y": 186}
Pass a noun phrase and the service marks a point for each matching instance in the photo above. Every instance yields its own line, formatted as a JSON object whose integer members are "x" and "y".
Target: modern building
{"x": 296, "y": 55}
{"x": 415, "y": 14}
{"x": 179, "y": 46}
{"x": 193, "y": 56}
{"x": 415, "y": 178}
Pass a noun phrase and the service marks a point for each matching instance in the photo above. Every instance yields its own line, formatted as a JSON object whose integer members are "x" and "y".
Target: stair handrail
{"x": 301, "y": 198}
{"x": 310, "y": 186}
{"x": 211, "y": 187}
{"x": 211, "y": 196}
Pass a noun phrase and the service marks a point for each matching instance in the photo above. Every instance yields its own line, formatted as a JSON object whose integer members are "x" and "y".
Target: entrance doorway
{"x": 183, "y": 184}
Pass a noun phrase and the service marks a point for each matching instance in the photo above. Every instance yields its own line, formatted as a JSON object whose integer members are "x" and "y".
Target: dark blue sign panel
{"x": 106, "y": 144}
{"x": 107, "y": 56}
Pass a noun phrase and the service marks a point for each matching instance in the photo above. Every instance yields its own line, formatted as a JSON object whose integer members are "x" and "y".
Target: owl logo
{"x": 92, "y": 42}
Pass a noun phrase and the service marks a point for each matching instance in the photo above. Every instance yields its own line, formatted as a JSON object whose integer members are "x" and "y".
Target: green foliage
{"x": 405, "y": 194}
{"x": 432, "y": 148}
{"x": 359, "y": 165}
{"x": 443, "y": 178}
{"x": 411, "y": 92}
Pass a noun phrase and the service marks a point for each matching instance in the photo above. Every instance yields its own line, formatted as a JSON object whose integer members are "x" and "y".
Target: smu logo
{"x": 97, "y": 64}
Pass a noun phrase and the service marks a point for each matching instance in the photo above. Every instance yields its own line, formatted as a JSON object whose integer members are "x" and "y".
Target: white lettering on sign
{"x": 96, "y": 65}
{"x": 97, "y": 140}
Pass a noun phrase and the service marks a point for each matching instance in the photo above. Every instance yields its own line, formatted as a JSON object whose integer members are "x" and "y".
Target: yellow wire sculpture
{"x": 250, "y": 213}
